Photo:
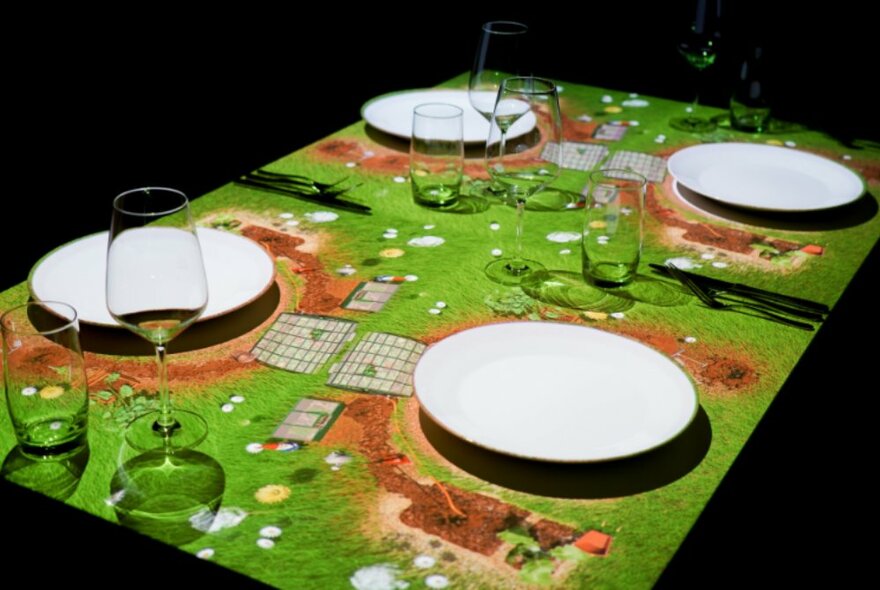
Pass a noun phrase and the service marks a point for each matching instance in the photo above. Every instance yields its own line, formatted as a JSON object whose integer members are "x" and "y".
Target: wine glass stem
{"x": 518, "y": 263}
{"x": 166, "y": 419}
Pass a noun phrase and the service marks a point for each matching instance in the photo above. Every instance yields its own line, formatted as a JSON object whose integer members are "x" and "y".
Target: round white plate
{"x": 765, "y": 177}
{"x": 238, "y": 269}
{"x": 393, "y": 113}
{"x": 554, "y": 392}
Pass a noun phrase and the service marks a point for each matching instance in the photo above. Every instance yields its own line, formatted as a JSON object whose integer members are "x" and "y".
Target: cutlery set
{"x": 768, "y": 304}
{"x": 303, "y": 187}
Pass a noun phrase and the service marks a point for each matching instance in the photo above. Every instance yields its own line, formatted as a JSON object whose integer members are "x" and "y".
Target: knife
{"x": 786, "y": 303}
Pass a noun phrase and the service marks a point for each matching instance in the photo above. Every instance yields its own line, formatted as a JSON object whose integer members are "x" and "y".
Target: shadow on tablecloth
{"x": 611, "y": 479}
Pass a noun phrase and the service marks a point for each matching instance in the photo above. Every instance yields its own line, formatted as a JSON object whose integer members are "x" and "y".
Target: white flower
{"x": 206, "y": 553}
{"x": 440, "y": 304}
{"x": 497, "y": 252}
{"x": 690, "y": 339}
{"x": 436, "y": 581}
{"x": 265, "y": 543}
{"x": 561, "y": 237}
{"x": 322, "y": 216}
{"x": 28, "y": 391}
{"x": 226, "y": 518}
{"x": 226, "y": 408}
{"x": 236, "y": 399}
{"x": 424, "y": 561}
{"x": 270, "y": 532}
{"x": 254, "y": 448}
{"x": 285, "y": 215}
{"x": 426, "y": 241}
{"x": 381, "y": 576}
{"x": 399, "y": 179}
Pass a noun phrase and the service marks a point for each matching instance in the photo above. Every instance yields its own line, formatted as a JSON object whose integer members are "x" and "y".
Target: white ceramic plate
{"x": 765, "y": 177}
{"x": 393, "y": 113}
{"x": 238, "y": 269}
{"x": 554, "y": 392}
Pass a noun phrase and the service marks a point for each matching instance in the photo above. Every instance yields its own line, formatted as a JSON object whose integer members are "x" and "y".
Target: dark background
{"x": 99, "y": 103}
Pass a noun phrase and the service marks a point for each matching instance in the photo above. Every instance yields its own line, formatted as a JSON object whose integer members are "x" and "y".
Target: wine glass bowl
{"x": 698, "y": 45}
{"x": 156, "y": 287}
{"x": 525, "y": 164}
{"x": 499, "y": 55}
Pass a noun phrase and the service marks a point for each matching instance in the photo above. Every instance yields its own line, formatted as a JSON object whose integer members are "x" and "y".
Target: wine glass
{"x": 523, "y": 163}
{"x": 699, "y": 46}
{"x": 156, "y": 287}
{"x": 500, "y": 54}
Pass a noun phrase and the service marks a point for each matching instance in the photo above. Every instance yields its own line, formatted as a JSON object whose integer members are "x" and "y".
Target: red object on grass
{"x": 813, "y": 249}
{"x": 594, "y": 542}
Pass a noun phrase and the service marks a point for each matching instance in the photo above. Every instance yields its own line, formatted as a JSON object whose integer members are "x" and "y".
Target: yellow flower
{"x": 272, "y": 494}
{"x": 613, "y": 109}
{"x": 51, "y": 392}
{"x": 391, "y": 253}
{"x": 595, "y": 315}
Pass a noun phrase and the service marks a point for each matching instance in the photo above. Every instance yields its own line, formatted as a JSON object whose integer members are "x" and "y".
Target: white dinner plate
{"x": 238, "y": 269}
{"x": 554, "y": 392}
{"x": 765, "y": 177}
{"x": 393, "y": 113}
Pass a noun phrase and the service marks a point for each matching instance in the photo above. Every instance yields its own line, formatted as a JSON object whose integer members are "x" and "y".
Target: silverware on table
{"x": 302, "y": 187}
{"x": 710, "y": 301}
{"x": 786, "y": 303}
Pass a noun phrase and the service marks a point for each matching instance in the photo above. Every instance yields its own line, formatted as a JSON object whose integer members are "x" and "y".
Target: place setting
{"x": 411, "y": 350}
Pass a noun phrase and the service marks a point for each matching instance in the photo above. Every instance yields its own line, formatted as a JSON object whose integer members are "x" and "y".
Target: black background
{"x": 99, "y": 103}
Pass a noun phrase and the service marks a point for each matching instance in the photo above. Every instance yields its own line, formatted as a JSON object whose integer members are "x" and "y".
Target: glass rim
{"x": 518, "y": 28}
{"x": 549, "y": 84}
{"x": 624, "y": 174}
{"x": 46, "y": 305}
{"x": 121, "y": 209}
{"x": 456, "y": 110}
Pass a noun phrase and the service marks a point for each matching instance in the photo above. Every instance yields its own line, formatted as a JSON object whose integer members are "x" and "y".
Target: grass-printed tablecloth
{"x": 372, "y": 503}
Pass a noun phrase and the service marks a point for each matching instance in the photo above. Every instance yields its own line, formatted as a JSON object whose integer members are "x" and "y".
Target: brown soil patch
{"x": 576, "y": 130}
{"x": 723, "y": 370}
{"x": 322, "y": 293}
{"x": 729, "y": 239}
{"x": 464, "y": 518}
{"x": 551, "y": 534}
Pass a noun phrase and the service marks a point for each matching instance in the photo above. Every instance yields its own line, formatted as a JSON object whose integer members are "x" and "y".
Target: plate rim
{"x": 692, "y": 389}
{"x": 90, "y": 322}
{"x": 387, "y": 95}
{"x": 777, "y": 149}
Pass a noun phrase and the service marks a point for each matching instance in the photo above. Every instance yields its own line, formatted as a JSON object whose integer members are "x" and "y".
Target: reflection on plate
{"x": 393, "y": 113}
{"x": 238, "y": 271}
{"x": 765, "y": 177}
{"x": 554, "y": 392}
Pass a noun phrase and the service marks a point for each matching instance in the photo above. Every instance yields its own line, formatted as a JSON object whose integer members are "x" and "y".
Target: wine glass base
{"x": 511, "y": 271}
{"x": 693, "y": 124}
{"x": 144, "y": 433}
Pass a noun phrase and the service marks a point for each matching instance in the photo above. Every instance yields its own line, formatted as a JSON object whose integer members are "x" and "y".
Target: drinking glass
{"x": 698, "y": 45}
{"x": 524, "y": 163}
{"x": 44, "y": 373}
{"x": 436, "y": 154}
{"x": 612, "y": 243}
{"x": 156, "y": 287}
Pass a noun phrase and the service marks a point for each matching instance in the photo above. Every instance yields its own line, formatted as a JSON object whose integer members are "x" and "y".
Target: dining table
{"x": 379, "y": 493}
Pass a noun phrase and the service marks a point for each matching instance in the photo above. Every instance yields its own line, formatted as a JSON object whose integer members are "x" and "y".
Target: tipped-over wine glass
{"x": 156, "y": 287}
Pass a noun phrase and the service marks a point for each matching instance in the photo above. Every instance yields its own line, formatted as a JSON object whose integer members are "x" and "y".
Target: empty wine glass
{"x": 525, "y": 163}
{"x": 699, "y": 45}
{"x": 501, "y": 54}
{"x": 156, "y": 287}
